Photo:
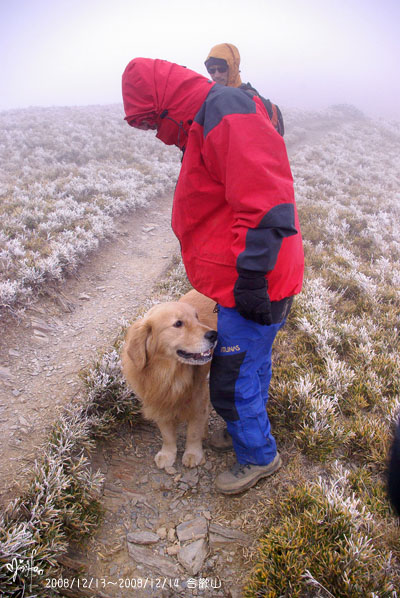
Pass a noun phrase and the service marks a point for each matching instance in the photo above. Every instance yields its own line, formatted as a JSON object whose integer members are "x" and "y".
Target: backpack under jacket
{"x": 274, "y": 113}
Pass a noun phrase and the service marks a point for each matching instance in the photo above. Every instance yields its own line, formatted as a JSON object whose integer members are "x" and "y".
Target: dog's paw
{"x": 192, "y": 458}
{"x": 164, "y": 459}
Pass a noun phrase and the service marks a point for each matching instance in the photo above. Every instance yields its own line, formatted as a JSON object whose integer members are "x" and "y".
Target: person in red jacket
{"x": 235, "y": 216}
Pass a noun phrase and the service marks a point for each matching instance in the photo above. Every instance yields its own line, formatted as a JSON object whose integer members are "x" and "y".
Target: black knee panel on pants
{"x": 223, "y": 376}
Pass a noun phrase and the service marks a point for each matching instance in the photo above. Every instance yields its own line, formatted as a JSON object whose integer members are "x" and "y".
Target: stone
{"x": 6, "y": 373}
{"x": 191, "y": 477}
{"x": 65, "y": 304}
{"x": 188, "y": 516}
{"x": 193, "y": 555}
{"x": 135, "y": 497}
{"x": 162, "y": 532}
{"x": 145, "y": 556}
{"x": 171, "y": 535}
{"x": 39, "y": 339}
{"x": 192, "y": 530}
{"x": 113, "y": 487}
{"x": 113, "y": 504}
{"x": 39, "y": 325}
{"x": 220, "y": 536}
{"x": 23, "y": 421}
{"x": 142, "y": 537}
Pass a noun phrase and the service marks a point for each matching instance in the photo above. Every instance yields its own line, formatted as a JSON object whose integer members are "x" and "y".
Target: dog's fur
{"x": 162, "y": 363}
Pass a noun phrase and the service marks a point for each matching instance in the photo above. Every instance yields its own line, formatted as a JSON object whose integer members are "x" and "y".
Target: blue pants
{"x": 239, "y": 381}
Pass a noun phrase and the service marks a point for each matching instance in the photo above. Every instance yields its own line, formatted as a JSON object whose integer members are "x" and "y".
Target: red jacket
{"x": 234, "y": 208}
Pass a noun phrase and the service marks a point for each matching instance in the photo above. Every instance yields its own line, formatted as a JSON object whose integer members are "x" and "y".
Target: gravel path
{"x": 169, "y": 527}
{"x": 164, "y": 533}
{"x": 169, "y": 533}
{"x": 41, "y": 356}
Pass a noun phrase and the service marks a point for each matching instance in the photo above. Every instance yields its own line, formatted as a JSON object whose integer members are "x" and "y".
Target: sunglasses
{"x": 221, "y": 69}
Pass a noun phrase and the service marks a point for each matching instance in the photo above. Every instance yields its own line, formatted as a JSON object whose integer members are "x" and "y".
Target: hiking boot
{"x": 242, "y": 477}
{"x": 221, "y": 440}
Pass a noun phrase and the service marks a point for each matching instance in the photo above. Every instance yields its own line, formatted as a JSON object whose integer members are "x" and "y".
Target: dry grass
{"x": 335, "y": 389}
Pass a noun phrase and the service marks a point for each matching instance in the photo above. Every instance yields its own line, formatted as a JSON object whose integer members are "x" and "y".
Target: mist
{"x": 306, "y": 54}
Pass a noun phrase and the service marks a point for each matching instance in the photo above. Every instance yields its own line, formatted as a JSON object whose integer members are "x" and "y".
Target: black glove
{"x": 251, "y": 297}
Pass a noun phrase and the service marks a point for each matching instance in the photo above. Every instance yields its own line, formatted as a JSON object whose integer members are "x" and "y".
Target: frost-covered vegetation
{"x": 65, "y": 174}
{"x": 335, "y": 393}
{"x": 61, "y": 503}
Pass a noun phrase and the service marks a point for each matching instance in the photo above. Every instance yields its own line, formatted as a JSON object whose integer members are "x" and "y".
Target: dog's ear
{"x": 137, "y": 343}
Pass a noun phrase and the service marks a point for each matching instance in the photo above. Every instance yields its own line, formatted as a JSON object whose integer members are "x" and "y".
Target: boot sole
{"x": 221, "y": 449}
{"x": 254, "y": 481}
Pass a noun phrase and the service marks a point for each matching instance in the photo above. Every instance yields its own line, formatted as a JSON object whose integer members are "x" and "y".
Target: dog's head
{"x": 170, "y": 331}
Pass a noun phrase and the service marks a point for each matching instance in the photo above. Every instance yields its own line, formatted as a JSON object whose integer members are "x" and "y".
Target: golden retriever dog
{"x": 165, "y": 359}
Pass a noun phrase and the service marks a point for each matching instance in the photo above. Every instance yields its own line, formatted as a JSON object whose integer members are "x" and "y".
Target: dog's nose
{"x": 211, "y": 336}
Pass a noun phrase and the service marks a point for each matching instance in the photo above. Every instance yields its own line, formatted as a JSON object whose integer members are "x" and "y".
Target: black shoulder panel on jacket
{"x": 264, "y": 242}
{"x": 220, "y": 102}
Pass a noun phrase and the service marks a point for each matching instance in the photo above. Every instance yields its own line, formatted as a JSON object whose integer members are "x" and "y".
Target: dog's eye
{"x": 178, "y": 324}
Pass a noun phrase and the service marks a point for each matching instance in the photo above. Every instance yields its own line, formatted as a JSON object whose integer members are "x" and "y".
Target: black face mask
{"x": 176, "y": 135}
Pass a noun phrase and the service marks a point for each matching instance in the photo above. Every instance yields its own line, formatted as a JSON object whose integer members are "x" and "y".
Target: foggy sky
{"x": 305, "y": 54}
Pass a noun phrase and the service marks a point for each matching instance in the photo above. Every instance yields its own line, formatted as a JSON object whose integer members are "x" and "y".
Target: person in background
{"x": 235, "y": 216}
{"x": 393, "y": 481}
{"x": 222, "y": 64}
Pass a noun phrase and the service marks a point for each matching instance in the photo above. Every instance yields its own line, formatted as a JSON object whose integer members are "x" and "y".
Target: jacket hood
{"x": 166, "y": 95}
{"x": 230, "y": 54}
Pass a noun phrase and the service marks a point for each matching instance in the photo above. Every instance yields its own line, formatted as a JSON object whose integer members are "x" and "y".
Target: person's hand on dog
{"x": 252, "y": 299}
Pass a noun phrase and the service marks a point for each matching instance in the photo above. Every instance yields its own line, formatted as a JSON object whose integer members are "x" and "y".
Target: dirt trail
{"x": 170, "y": 533}
{"x": 141, "y": 548}
{"x": 41, "y": 356}
{"x": 147, "y": 510}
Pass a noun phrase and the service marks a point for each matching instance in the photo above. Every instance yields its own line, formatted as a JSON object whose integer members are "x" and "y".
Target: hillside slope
{"x": 335, "y": 392}
{"x": 66, "y": 174}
